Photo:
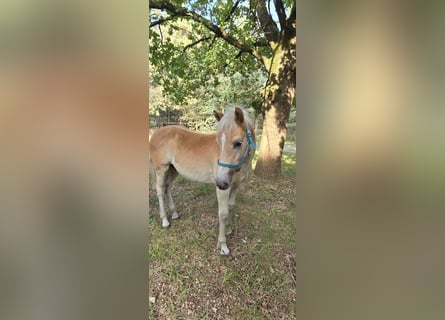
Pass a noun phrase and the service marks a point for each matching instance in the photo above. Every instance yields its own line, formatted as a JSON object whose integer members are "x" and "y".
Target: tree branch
{"x": 161, "y": 35}
{"x": 279, "y": 6}
{"x": 261, "y": 43}
{"x": 162, "y": 20}
{"x": 232, "y": 10}
{"x": 291, "y": 21}
{"x": 195, "y": 43}
{"x": 267, "y": 24}
{"x": 216, "y": 30}
{"x": 239, "y": 55}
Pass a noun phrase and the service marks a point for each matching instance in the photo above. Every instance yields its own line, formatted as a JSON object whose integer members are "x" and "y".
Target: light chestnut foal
{"x": 223, "y": 158}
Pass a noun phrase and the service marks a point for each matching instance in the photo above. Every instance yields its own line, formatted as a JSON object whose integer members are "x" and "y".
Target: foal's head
{"x": 235, "y": 143}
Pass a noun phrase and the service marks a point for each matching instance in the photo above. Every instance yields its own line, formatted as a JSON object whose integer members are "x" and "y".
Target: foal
{"x": 222, "y": 158}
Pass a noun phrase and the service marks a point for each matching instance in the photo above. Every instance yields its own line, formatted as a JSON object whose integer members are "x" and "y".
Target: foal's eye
{"x": 237, "y": 144}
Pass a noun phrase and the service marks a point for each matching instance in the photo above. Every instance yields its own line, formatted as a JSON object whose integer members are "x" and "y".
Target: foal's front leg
{"x": 232, "y": 198}
{"x": 223, "y": 214}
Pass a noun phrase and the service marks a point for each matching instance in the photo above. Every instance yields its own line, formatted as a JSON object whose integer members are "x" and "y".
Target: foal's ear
{"x": 218, "y": 115}
{"x": 239, "y": 115}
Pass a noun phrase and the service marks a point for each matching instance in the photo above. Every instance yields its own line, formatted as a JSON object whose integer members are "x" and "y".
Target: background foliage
{"x": 190, "y": 73}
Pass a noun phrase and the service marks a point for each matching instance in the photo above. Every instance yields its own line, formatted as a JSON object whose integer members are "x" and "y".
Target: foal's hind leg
{"x": 171, "y": 176}
{"x": 161, "y": 176}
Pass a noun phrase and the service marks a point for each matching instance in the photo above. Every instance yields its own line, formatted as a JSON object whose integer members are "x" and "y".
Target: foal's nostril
{"x": 223, "y": 185}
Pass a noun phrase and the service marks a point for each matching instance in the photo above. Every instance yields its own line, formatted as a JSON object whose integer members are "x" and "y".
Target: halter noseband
{"x": 250, "y": 146}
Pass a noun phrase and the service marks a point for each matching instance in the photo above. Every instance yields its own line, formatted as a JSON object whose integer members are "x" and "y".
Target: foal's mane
{"x": 228, "y": 122}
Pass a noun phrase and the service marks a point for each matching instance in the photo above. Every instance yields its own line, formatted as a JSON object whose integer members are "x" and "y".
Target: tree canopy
{"x": 196, "y": 45}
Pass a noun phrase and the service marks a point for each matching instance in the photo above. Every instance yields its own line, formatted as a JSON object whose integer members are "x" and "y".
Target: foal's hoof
{"x": 224, "y": 250}
{"x": 175, "y": 215}
{"x": 165, "y": 223}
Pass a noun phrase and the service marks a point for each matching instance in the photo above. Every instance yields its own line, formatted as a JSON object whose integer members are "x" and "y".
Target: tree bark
{"x": 278, "y": 97}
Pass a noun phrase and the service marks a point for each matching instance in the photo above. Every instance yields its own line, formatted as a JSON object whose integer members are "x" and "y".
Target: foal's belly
{"x": 198, "y": 174}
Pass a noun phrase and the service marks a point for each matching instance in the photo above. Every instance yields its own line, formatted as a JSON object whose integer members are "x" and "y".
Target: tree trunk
{"x": 278, "y": 96}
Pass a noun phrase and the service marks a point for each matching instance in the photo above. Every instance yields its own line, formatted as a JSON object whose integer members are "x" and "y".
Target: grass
{"x": 188, "y": 277}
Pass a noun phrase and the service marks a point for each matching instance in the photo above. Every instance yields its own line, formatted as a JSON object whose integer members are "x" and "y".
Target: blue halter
{"x": 250, "y": 146}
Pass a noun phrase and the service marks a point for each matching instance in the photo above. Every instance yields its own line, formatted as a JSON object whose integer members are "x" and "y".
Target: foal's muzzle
{"x": 223, "y": 184}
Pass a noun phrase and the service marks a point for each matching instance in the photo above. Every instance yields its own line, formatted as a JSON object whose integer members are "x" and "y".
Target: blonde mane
{"x": 228, "y": 122}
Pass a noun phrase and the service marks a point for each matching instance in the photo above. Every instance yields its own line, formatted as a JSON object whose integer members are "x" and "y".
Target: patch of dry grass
{"x": 188, "y": 277}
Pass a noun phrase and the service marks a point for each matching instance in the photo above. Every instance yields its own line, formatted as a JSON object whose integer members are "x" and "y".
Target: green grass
{"x": 189, "y": 278}
{"x": 204, "y": 188}
{"x": 289, "y": 166}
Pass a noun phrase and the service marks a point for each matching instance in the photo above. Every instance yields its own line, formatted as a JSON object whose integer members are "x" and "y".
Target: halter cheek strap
{"x": 250, "y": 146}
